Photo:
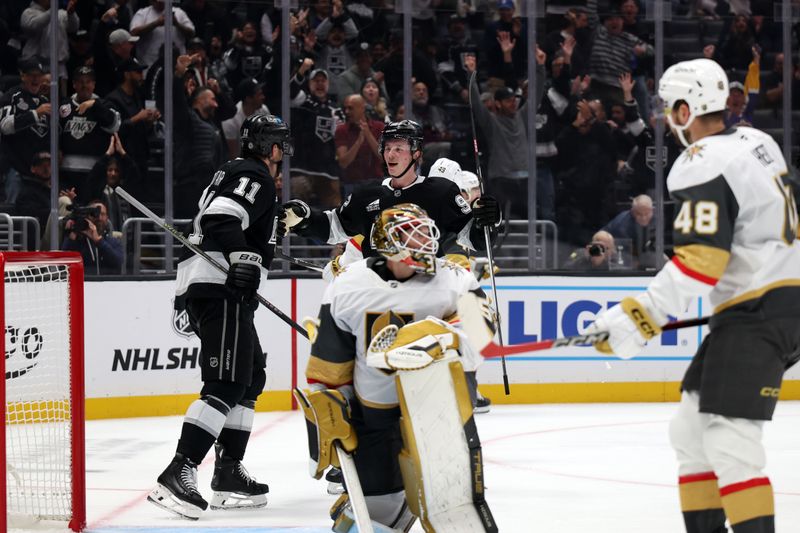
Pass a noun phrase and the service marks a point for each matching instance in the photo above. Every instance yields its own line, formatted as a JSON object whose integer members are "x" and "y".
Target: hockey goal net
{"x": 42, "y": 446}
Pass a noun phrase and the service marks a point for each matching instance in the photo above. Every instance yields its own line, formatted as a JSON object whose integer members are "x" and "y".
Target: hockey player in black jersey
{"x": 401, "y": 150}
{"x": 235, "y": 225}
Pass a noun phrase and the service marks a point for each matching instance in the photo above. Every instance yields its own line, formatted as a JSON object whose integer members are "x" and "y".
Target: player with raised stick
{"x": 735, "y": 237}
{"x": 236, "y": 226}
{"x": 386, "y": 349}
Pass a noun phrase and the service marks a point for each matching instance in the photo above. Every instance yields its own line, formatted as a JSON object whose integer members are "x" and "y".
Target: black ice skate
{"x": 177, "y": 489}
{"x": 335, "y": 481}
{"x": 482, "y": 404}
{"x": 232, "y": 485}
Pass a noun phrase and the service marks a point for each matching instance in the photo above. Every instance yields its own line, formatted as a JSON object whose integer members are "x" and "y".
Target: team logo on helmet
{"x": 405, "y": 233}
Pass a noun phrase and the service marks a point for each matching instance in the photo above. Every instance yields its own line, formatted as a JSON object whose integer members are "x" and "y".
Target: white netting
{"x": 38, "y": 431}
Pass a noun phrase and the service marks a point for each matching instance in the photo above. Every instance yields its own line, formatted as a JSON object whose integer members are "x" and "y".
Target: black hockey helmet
{"x": 406, "y": 130}
{"x": 261, "y": 130}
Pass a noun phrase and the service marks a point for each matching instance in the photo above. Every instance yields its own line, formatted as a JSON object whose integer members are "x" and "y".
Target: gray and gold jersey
{"x": 736, "y": 225}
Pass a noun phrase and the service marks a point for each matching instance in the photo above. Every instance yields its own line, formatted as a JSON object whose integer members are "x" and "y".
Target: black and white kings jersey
{"x": 237, "y": 212}
{"x": 439, "y": 197}
{"x": 735, "y": 231}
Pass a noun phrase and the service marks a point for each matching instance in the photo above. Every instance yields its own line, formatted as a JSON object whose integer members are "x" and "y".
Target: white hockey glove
{"x": 629, "y": 325}
{"x": 293, "y": 214}
{"x": 412, "y": 347}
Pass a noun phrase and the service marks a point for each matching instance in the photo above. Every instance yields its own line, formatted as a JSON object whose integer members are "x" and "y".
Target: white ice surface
{"x": 583, "y": 468}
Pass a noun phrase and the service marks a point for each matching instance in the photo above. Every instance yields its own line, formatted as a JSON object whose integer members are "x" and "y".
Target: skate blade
{"x": 482, "y": 409}
{"x": 232, "y": 500}
{"x": 163, "y": 498}
{"x": 335, "y": 489}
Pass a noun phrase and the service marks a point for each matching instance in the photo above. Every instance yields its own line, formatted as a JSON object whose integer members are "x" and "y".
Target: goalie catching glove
{"x": 629, "y": 325}
{"x": 294, "y": 214}
{"x": 414, "y": 346}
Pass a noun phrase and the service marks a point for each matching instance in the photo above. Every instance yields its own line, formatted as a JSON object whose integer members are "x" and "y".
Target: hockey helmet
{"x": 406, "y": 233}
{"x": 468, "y": 180}
{"x": 261, "y": 130}
{"x": 445, "y": 168}
{"x": 701, "y": 83}
{"x": 406, "y": 130}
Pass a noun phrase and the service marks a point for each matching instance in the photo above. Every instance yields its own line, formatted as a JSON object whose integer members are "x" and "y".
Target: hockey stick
{"x": 498, "y": 350}
{"x": 202, "y": 253}
{"x": 299, "y": 262}
{"x": 486, "y": 236}
{"x": 354, "y": 492}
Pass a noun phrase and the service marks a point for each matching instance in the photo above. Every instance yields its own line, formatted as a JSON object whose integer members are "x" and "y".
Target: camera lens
{"x": 596, "y": 250}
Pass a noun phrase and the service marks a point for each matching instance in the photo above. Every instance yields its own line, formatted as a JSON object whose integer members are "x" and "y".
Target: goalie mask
{"x": 406, "y": 233}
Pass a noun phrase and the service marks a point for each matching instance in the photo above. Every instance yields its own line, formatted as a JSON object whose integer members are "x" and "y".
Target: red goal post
{"x": 42, "y": 445}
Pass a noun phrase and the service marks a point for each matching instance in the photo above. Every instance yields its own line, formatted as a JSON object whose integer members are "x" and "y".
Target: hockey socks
{"x": 202, "y": 425}
{"x": 750, "y": 505}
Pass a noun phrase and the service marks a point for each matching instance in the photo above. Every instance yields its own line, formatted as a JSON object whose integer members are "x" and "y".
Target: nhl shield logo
{"x": 180, "y": 323}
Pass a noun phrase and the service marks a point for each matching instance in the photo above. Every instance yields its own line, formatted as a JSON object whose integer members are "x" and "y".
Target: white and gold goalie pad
{"x": 327, "y": 416}
{"x": 441, "y": 460}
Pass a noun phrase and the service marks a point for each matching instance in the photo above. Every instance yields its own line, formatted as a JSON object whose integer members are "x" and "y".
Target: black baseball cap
{"x": 502, "y": 93}
{"x": 247, "y": 87}
{"x": 195, "y": 43}
{"x": 84, "y": 70}
{"x": 30, "y": 65}
{"x": 131, "y": 65}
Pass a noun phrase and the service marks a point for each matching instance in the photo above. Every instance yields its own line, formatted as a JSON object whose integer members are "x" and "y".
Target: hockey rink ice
{"x": 577, "y": 468}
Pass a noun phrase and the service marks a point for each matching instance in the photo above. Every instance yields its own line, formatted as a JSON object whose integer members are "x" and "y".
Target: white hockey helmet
{"x": 468, "y": 180}
{"x": 405, "y": 233}
{"x": 701, "y": 83}
{"x": 445, "y": 168}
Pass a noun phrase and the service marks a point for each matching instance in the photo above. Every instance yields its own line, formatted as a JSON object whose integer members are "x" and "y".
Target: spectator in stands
{"x": 454, "y": 46}
{"x": 216, "y": 61}
{"x": 137, "y": 118}
{"x": 584, "y": 181}
{"x": 637, "y": 225}
{"x": 248, "y": 57}
{"x": 25, "y": 125}
{"x": 199, "y": 145}
{"x": 392, "y": 67}
{"x": 576, "y": 29}
{"x": 109, "y": 56}
{"x": 250, "y": 96}
{"x": 34, "y": 194}
{"x": 9, "y": 55}
{"x": 357, "y": 146}
{"x": 352, "y": 79}
{"x": 80, "y": 53}
{"x": 375, "y": 103}
{"x": 611, "y": 56}
{"x": 91, "y": 236}
{"x": 506, "y": 135}
{"x": 196, "y": 48}
{"x": 208, "y": 18}
{"x": 334, "y": 55}
{"x": 434, "y": 121}
{"x": 734, "y": 49}
{"x": 86, "y": 122}
{"x": 744, "y": 98}
{"x": 495, "y": 62}
{"x": 115, "y": 168}
{"x": 315, "y": 116}
{"x": 642, "y": 66}
{"x": 597, "y": 255}
{"x": 35, "y": 26}
{"x": 148, "y": 24}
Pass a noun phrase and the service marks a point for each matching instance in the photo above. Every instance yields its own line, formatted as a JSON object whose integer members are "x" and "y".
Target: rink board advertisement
{"x": 143, "y": 359}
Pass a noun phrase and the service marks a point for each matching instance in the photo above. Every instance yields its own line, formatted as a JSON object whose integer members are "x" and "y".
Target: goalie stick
{"x": 198, "y": 251}
{"x": 498, "y": 350}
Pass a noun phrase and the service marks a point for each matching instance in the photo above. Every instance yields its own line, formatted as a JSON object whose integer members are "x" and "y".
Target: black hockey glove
{"x": 486, "y": 212}
{"x": 293, "y": 215}
{"x": 244, "y": 275}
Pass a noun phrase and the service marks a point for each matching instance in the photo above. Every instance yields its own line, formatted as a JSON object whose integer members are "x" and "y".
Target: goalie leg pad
{"x": 327, "y": 421}
{"x": 389, "y": 513}
{"x": 441, "y": 459}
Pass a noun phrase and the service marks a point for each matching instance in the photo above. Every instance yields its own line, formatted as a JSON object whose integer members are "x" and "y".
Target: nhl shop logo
{"x": 180, "y": 324}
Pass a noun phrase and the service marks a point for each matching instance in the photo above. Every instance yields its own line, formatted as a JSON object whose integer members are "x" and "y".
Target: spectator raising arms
{"x": 148, "y": 24}
{"x": 357, "y": 146}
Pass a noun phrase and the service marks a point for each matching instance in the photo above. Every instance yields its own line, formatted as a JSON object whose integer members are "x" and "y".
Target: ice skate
{"x": 335, "y": 481}
{"x": 232, "y": 485}
{"x": 482, "y": 404}
{"x": 177, "y": 489}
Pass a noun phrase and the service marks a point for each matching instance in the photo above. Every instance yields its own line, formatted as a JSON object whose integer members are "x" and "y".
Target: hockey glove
{"x": 244, "y": 275}
{"x": 486, "y": 212}
{"x": 412, "y": 347}
{"x": 629, "y": 325}
{"x": 293, "y": 215}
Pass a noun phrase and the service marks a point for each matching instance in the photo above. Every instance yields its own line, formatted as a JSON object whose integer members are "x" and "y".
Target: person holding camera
{"x": 596, "y": 255}
{"x": 86, "y": 230}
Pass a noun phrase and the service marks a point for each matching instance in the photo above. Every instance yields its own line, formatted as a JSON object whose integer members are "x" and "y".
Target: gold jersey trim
{"x": 756, "y": 293}
{"x": 329, "y": 373}
{"x": 707, "y": 260}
